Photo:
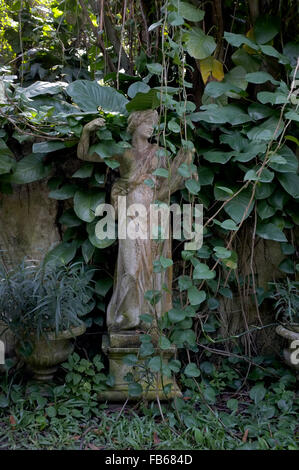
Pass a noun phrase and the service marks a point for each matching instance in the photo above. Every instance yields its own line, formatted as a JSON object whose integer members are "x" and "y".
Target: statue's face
{"x": 145, "y": 129}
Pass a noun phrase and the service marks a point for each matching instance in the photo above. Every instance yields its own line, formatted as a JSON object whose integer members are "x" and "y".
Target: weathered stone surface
{"x": 27, "y": 223}
{"x": 240, "y": 313}
{"x": 118, "y": 369}
{"x": 49, "y": 352}
{"x": 27, "y": 228}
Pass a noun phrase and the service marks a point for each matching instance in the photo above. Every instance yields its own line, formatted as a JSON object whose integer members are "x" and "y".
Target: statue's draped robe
{"x": 134, "y": 272}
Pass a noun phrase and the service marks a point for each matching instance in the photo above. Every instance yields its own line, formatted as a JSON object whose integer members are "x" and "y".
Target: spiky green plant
{"x": 286, "y": 296}
{"x": 45, "y": 298}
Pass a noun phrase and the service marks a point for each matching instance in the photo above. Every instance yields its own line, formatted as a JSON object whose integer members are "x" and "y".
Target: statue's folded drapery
{"x": 134, "y": 274}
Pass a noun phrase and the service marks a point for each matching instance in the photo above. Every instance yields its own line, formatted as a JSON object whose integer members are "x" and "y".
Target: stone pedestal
{"x": 118, "y": 345}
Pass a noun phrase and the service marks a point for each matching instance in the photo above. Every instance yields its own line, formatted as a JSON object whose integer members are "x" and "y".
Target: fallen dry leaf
{"x": 244, "y": 438}
{"x": 93, "y": 447}
{"x": 12, "y": 421}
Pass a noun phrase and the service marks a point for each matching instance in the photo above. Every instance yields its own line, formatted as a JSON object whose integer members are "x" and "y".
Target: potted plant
{"x": 286, "y": 306}
{"x": 43, "y": 306}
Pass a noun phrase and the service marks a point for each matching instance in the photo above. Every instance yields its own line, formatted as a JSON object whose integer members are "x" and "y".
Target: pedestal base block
{"x": 118, "y": 345}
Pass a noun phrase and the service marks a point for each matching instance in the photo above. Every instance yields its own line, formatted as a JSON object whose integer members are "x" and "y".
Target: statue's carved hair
{"x": 138, "y": 117}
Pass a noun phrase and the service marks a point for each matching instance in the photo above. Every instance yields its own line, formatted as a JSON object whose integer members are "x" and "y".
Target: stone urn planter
{"x": 290, "y": 334}
{"x": 49, "y": 352}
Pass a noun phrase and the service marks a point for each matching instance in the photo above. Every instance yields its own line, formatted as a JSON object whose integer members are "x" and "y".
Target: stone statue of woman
{"x": 134, "y": 272}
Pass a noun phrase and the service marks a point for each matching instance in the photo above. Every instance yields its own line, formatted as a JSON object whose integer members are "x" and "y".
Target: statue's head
{"x": 143, "y": 122}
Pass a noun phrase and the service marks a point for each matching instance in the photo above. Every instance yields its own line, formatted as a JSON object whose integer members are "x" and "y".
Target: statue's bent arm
{"x": 84, "y": 143}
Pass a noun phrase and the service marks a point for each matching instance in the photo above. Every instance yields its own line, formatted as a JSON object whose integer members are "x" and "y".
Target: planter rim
{"x": 67, "y": 334}
{"x": 287, "y": 333}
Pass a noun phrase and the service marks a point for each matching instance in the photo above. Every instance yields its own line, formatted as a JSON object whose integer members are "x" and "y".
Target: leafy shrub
{"x": 43, "y": 298}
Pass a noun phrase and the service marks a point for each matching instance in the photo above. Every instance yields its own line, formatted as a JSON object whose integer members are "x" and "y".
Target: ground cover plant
{"x": 216, "y": 412}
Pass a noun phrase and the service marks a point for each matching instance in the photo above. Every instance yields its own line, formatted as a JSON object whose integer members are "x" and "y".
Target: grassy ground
{"x": 213, "y": 414}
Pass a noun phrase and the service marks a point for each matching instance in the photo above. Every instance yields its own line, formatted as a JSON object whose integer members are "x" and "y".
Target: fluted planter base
{"x": 49, "y": 352}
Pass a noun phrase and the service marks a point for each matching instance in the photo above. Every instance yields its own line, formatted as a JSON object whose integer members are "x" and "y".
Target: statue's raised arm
{"x": 83, "y": 146}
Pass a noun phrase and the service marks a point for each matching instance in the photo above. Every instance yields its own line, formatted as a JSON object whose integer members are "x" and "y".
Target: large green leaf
{"x": 291, "y": 50}
{"x": 218, "y": 156}
{"x": 47, "y": 147}
{"x": 234, "y": 83}
{"x": 62, "y": 253}
{"x": 266, "y": 175}
{"x": 263, "y": 191}
{"x": 86, "y": 202}
{"x": 85, "y": 171}
{"x": 143, "y": 101}
{"x": 238, "y": 39}
{"x": 106, "y": 149}
{"x": 65, "y": 192}
{"x": 175, "y": 19}
{"x": 6, "y": 164}
{"x": 251, "y": 150}
{"x": 236, "y": 207}
{"x": 260, "y": 77}
{"x": 29, "y": 169}
{"x": 216, "y": 89}
{"x": 290, "y": 182}
{"x": 200, "y": 45}
{"x": 236, "y": 77}
{"x": 276, "y": 97}
{"x": 205, "y": 176}
{"x": 59, "y": 106}
{"x": 103, "y": 285}
{"x": 90, "y": 96}
{"x": 215, "y": 114}
{"x": 292, "y": 115}
{"x": 180, "y": 337}
{"x": 94, "y": 240}
{"x": 264, "y": 210}
{"x": 269, "y": 129}
{"x": 270, "y": 232}
{"x": 4, "y": 150}
{"x": 266, "y": 28}
{"x": 235, "y": 140}
{"x": 193, "y": 186}
{"x": 249, "y": 63}
{"x": 155, "y": 68}
{"x": 70, "y": 219}
{"x": 222, "y": 193}
{"x": 138, "y": 87}
{"x": 195, "y": 296}
{"x": 229, "y": 224}
{"x": 278, "y": 199}
{"x": 202, "y": 271}
{"x": 259, "y": 111}
{"x": 288, "y": 164}
{"x": 192, "y": 370}
{"x": 190, "y": 12}
{"x": 42, "y": 88}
